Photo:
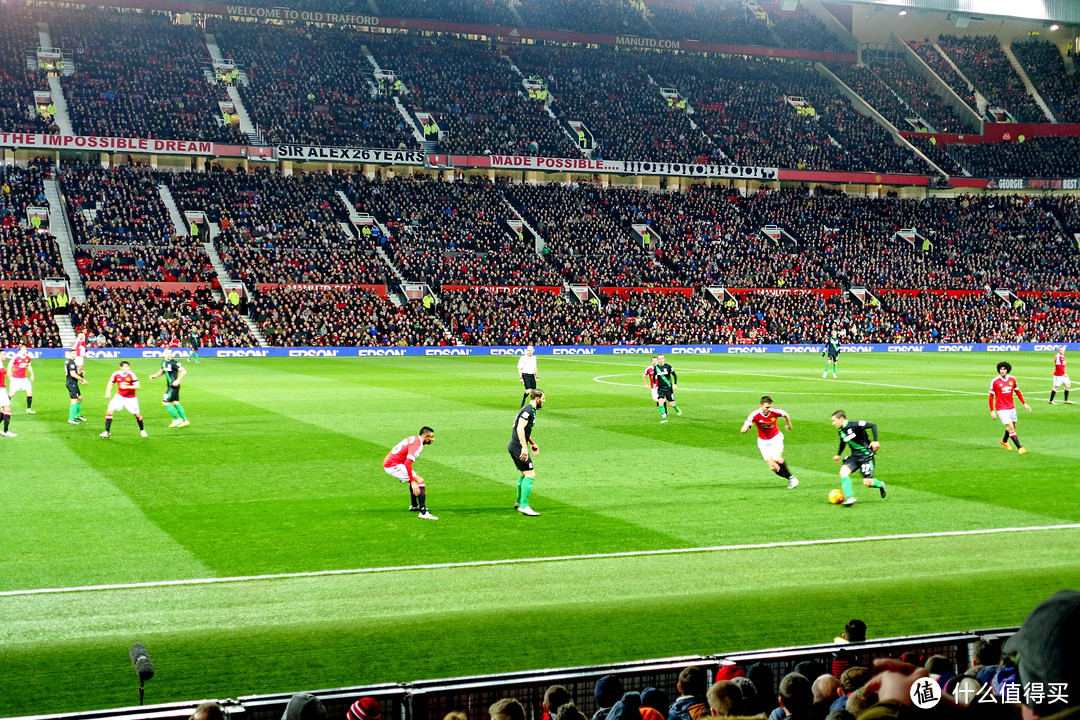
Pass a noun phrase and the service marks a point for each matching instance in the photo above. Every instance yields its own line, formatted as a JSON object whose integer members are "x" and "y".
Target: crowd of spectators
{"x": 138, "y": 75}
{"x": 152, "y": 317}
{"x": 341, "y": 317}
{"x": 1045, "y": 68}
{"x": 26, "y": 252}
{"x": 985, "y": 64}
{"x": 311, "y": 85}
{"x": 474, "y": 12}
{"x": 25, "y": 317}
{"x": 718, "y": 22}
{"x": 800, "y": 29}
{"x": 451, "y": 232}
{"x": 276, "y": 228}
{"x": 1050, "y": 157}
{"x": 18, "y": 112}
{"x": 178, "y": 261}
{"x": 945, "y": 71}
{"x": 898, "y": 93}
{"x": 605, "y": 17}
{"x": 612, "y": 93}
{"x": 583, "y": 241}
{"x": 477, "y": 98}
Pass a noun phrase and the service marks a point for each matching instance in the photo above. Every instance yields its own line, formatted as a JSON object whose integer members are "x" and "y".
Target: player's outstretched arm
{"x": 180, "y": 376}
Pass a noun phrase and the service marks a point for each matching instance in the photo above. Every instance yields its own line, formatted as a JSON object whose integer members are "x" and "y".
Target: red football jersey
{"x": 650, "y": 373}
{"x": 121, "y": 376}
{"x": 1001, "y": 393}
{"x": 766, "y": 423}
{"x": 3, "y": 377}
{"x": 1059, "y": 364}
{"x": 79, "y": 348}
{"x": 19, "y": 366}
{"x": 405, "y": 453}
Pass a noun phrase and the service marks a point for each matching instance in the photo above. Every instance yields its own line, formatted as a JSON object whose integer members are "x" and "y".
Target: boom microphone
{"x": 141, "y": 660}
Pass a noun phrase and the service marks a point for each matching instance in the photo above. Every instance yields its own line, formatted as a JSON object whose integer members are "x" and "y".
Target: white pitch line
{"x": 533, "y": 560}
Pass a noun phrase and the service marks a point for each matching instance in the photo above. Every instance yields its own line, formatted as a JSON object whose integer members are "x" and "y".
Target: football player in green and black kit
{"x": 174, "y": 372}
{"x": 73, "y": 377}
{"x": 862, "y": 438}
{"x": 667, "y": 382}
{"x": 832, "y": 349}
{"x": 520, "y": 443}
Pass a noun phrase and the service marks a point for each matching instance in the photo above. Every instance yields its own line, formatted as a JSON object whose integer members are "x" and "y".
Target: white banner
{"x": 632, "y": 167}
{"x": 106, "y": 144}
{"x": 350, "y": 154}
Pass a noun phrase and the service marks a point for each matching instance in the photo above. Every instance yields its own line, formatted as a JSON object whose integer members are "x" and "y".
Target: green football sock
{"x": 171, "y": 410}
{"x": 663, "y": 410}
{"x": 675, "y": 406}
{"x": 878, "y": 483}
{"x": 71, "y": 413}
{"x": 526, "y": 491}
{"x": 78, "y": 409}
{"x": 180, "y": 411}
{"x": 845, "y": 483}
{"x": 520, "y": 479}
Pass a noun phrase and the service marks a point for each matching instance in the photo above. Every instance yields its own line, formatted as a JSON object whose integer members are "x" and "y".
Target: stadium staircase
{"x": 255, "y": 330}
{"x": 66, "y": 330}
{"x": 539, "y": 240}
{"x": 61, "y": 118}
{"x": 1028, "y": 85}
{"x": 213, "y": 49}
{"x": 867, "y": 109}
{"x": 60, "y": 227}
{"x": 980, "y": 100}
{"x": 512, "y": 5}
{"x": 943, "y": 89}
{"x": 547, "y": 108}
{"x": 174, "y": 212}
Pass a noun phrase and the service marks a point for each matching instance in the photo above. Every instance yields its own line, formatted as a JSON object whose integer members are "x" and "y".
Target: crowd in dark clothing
{"x": 312, "y": 86}
{"x": 341, "y": 317}
{"x": 18, "y": 111}
{"x": 151, "y": 317}
{"x": 138, "y": 75}
{"x": 899, "y": 93}
{"x": 945, "y": 71}
{"x": 985, "y": 64}
{"x": 25, "y": 317}
{"x": 1048, "y": 157}
{"x": 1045, "y": 68}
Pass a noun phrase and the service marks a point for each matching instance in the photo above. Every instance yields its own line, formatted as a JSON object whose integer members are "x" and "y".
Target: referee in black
{"x": 527, "y": 372}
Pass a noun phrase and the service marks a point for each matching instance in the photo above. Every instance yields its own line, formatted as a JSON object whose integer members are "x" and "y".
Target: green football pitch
{"x": 311, "y": 572}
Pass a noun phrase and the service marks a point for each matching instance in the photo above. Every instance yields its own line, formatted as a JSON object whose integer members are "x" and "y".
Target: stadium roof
{"x": 1059, "y": 11}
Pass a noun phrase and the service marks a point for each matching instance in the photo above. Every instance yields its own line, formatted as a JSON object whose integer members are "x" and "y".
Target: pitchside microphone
{"x": 141, "y": 660}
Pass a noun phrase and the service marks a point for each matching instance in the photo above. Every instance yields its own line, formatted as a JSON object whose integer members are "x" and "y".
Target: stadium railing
{"x": 432, "y": 699}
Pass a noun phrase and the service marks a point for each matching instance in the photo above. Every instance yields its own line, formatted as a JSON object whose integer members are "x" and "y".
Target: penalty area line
{"x": 533, "y": 560}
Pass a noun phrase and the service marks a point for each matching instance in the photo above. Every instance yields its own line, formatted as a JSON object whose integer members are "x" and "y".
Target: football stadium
{"x": 539, "y": 359}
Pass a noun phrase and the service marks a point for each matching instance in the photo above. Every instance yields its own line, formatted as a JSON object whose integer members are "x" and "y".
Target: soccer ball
{"x": 836, "y": 496}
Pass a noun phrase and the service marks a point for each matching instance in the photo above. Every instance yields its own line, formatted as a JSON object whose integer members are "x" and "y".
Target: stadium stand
{"x": 152, "y": 317}
{"x": 308, "y": 85}
{"x": 139, "y": 75}
{"x": 622, "y": 17}
{"x": 336, "y": 317}
{"x": 278, "y": 229}
{"x": 1045, "y": 68}
{"x": 800, "y": 30}
{"x": 720, "y": 22}
{"x": 944, "y": 70}
{"x": 451, "y": 232}
{"x": 123, "y": 229}
{"x": 1034, "y": 157}
{"x": 25, "y": 317}
{"x": 17, "y": 82}
{"x": 483, "y": 12}
{"x": 477, "y": 98}
{"x": 25, "y": 253}
{"x": 985, "y": 64}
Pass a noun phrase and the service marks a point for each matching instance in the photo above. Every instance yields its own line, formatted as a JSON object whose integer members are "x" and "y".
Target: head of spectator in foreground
{"x": 751, "y": 703}
{"x": 860, "y": 701}
{"x": 725, "y": 699}
{"x": 826, "y": 688}
{"x": 985, "y": 654}
{"x": 810, "y": 669}
{"x": 762, "y": 676}
{"x": 654, "y": 699}
{"x": 693, "y": 682}
{"x": 855, "y": 630}
{"x": 366, "y": 708}
{"x": 608, "y": 689}
{"x": 938, "y": 666}
{"x": 568, "y": 711}
{"x": 208, "y": 711}
{"x": 854, "y": 678}
{"x": 729, "y": 671}
{"x": 304, "y": 706}
{"x": 795, "y": 696}
{"x": 1046, "y": 652}
{"x": 506, "y": 709}
{"x": 555, "y": 697}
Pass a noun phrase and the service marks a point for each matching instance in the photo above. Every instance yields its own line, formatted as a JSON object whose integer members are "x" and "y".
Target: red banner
{"x": 20, "y": 283}
{"x": 377, "y": 289}
{"x": 860, "y": 178}
{"x": 1002, "y": 132}
{"x": 627, "y": 291}
{"x": 505, "y": 288}
{"x": 1051, "y": 294}
{"x": 824, "y": 292}
{"x": 913, "y": 292}
{"x": 166, "y": 286}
